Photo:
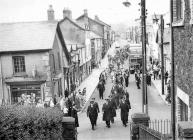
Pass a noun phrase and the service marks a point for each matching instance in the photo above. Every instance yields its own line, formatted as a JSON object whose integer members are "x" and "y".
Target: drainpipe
{"x": 1, "y": 80}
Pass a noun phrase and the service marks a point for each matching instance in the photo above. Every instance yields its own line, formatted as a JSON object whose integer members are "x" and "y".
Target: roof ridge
{"x": 24, "y": 22}
{"x": 72, "y": 22}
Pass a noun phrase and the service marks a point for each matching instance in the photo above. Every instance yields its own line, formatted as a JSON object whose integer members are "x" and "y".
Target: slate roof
{"x": 102, "y": 22}
{"x": 73, "y": 22}
{"x": 82, "y": 16}
{"x": 26, "y": 36}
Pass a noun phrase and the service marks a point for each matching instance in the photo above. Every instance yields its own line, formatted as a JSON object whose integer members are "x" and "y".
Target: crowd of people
{"x": 155, "y": 71}
{"x": 118, "y": 97}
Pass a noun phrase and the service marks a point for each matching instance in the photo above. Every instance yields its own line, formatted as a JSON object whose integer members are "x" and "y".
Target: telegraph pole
{"x": 144, "y": 73}
{"x": 162, "y": 54}
{"x": 173, "y": 94}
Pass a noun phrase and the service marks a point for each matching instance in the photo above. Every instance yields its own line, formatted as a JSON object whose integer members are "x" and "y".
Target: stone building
{"x": 183, "y": 44}
{"x": 78, "y": 43}
{"x": 97, "y": 26}
{"x": 32, "y": 57}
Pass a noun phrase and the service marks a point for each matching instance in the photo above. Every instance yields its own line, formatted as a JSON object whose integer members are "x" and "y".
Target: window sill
{"x": 22, "y": 74}
{"x": 178, "y": 23}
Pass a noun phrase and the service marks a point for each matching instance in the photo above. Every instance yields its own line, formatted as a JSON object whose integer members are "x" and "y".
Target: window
{"x": 59, "y": 62}
{"x": 178, "y": 12}
{"x": 19, "y": 64}
{"x": 191, "y": 11}
{"x": 53, "y": 62}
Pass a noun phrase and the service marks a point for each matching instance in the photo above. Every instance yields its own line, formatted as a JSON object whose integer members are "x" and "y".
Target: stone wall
{"x": 183, "y": 43}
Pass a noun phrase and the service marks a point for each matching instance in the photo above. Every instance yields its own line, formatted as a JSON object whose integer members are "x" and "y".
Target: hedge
{"x": 19, "y": 122}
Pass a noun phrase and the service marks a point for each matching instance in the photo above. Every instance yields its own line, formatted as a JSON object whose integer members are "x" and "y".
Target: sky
{"x": 110, "y": 11}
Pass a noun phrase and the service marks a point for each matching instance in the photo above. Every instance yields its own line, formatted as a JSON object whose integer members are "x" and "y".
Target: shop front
{"x": 27, "y": 88}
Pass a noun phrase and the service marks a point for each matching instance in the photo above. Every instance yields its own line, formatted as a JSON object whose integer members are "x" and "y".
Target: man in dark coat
{"x": 148, "y": 79}
{"x": 92, "y": 113}
{"x": 69, "y": 106}
{"x": 166, "y": 77}
{"x": 113, "y": 108}
{"x": 74, "y": 114}
{"x": 126, "y": 79}
{"x": 95, "y": 104}
{"x": 107, "y": 113}
{"x": 138, "y": 81}
{"x": 124, "y": 111}
{"x": 101, "y": 88}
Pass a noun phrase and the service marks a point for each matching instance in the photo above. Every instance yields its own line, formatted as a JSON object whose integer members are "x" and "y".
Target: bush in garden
{"x": 19, "y": 122}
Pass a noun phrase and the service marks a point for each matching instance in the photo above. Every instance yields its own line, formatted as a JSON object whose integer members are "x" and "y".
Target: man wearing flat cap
{"x": 97, "y": 108}
{"x": 107, "y": 113}
{"x": 92, "y": 113}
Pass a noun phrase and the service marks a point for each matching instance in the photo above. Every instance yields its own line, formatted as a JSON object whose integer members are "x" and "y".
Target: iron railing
{"x": 153, "y": 130}
{"x": 146, "y": 133}
{"x": 162, "y": 126}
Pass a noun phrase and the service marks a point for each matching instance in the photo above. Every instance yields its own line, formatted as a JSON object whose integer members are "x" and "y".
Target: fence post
{"x": 138, "y": 119}
{"x": 185, "y": 130}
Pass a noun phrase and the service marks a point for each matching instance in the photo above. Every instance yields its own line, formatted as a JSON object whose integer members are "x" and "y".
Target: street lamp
{"x": 143, "y": 36}
{"x": 126, "y": 3}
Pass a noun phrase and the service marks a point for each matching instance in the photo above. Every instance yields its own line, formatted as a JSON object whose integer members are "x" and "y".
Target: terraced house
{"x": 183, "y": 43}
{"x": 32, "y": 57}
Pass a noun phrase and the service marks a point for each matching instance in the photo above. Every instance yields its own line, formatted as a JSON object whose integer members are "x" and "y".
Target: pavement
{"x": 92, "y": 80}
{"x": 158, "y": 85}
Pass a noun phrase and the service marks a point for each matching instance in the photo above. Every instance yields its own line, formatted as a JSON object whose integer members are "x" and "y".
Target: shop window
{"x": 19, "y": 64}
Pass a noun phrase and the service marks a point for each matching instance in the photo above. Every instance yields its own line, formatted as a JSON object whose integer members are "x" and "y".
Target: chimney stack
{"x": 50, "y": 13}
{"x": 96, "y": 18}
{"x": 86, "y": 12}
{"x": 67, "y": 13}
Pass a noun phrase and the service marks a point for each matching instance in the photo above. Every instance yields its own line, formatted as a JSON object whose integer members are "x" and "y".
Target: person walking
{"x": 166, "y": 77}
{"x": 124, "y": 111}
{"x": 95, "y": 104}
{"x": 101, "y": 88}
{"x": 107, "y": 113}
{"x": 113, "y": 108}
{"x": 91, "y": 113}
{"x": 126, "y": 76}
{"x": 138, "y": 81}
{"x": 148, "y": 79}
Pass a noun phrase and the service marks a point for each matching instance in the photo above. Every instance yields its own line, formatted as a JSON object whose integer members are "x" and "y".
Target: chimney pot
{"x": 85, "y": 12}
{"x": 96, "y": 17}
{"x": 67, "y": 13}
{"x": 50, "y": 13}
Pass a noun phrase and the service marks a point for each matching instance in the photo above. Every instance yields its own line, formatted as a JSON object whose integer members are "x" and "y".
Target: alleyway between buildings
{"x": 157, "y": 110}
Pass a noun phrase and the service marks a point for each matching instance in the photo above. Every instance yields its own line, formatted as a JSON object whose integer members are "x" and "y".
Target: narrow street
{"x": 157, "y": 110}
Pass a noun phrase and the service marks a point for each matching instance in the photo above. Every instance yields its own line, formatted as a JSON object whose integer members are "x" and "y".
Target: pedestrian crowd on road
{"x": 117, "y": 99}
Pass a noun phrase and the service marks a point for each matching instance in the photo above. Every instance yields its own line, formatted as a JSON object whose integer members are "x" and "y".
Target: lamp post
{"x": 144, "y": 69}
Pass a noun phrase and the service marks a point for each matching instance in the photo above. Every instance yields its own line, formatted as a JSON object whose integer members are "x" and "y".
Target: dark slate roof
{"x": 102, "y": 22}
{"x": 73, "y": 22}
{"x": 27, "y": 36}
{"x": 82, "y": 16}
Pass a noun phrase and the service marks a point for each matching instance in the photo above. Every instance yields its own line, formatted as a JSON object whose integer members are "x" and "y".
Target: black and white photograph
{"x": 96, "y": 69}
